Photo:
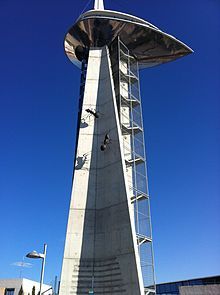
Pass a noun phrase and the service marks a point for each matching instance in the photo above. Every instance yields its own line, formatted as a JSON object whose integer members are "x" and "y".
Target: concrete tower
{"x": 108, "y": 247}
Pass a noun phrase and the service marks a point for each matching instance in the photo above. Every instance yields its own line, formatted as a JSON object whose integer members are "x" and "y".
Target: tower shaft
{"x": 101, "y": 251}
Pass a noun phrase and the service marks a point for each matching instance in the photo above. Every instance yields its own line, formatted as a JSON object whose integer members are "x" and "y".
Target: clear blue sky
{"x": 39, "y": 91}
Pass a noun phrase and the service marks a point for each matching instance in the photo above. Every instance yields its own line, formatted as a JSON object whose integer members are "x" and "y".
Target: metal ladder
{"x": 130, "y": 113}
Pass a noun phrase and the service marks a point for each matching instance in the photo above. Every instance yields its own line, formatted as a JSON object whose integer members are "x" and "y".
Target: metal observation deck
{"x": 148, "y": 44}
{"x": 133, "y": 44}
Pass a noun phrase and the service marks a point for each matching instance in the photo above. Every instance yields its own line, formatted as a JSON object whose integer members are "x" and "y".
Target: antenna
{"x": 99, "y": 5}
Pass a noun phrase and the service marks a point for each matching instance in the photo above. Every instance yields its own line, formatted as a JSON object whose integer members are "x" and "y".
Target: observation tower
{"x": 108, "y": 248}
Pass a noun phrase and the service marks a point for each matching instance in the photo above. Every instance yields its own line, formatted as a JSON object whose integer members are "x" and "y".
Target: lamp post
{"x": 36, "y": 255}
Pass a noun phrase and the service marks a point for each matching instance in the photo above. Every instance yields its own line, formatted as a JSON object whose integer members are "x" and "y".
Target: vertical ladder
{"x": 130, "y": 113}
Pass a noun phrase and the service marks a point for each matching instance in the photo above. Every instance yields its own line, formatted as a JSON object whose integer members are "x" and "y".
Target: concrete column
{"x": 101, "y": 252}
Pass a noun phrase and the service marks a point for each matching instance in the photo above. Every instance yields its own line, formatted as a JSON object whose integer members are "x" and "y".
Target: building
{"x": 13, "y": 286}
{"x": 108, "y": 248}
{"x": 200, "y": 286}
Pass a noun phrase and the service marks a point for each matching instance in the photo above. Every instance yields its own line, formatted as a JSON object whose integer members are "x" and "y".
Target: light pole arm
{"x": 42, "y": 268}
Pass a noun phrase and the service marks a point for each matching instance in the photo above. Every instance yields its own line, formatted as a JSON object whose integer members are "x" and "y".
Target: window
{"x": 9, "y": 291}
{"x": 195, "y": 282}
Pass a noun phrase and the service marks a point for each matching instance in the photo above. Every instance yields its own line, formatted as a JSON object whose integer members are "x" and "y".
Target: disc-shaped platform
{"x": 97, "y": 28}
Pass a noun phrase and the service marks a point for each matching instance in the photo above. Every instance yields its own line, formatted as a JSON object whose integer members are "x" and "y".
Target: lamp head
{"x": 35, "y": 255}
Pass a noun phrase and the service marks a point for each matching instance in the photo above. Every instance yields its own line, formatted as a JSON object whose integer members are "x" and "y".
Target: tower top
{"x": 99, "y": 5}
{"x": 99, "y": 27}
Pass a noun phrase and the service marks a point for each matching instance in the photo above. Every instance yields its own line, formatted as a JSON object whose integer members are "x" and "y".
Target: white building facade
{"x": 13, "y": 286}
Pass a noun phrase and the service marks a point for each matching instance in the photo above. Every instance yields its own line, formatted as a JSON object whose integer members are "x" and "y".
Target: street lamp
{"x": 36, "y": 255}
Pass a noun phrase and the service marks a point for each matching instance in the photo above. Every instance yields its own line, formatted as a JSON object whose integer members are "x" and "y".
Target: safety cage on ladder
{"x": 126, "y": 79}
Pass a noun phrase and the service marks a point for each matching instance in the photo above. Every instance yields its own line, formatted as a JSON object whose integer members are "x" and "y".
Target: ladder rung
{"x": 142, "y": 239}
{"x": 149, "y": 291}
{"x": 125, "y": 77}
{"x": 137, "y": 160}
{"x": 139, "y": 197}
{"x": 127, "y": 101}
{"x": 130, "y": 129}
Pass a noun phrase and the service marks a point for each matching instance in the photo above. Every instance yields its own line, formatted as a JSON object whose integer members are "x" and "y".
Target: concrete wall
{"x": 2, "y": 290}
{"x": 200, "y": 290}
{"x": 101, "y": 250}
